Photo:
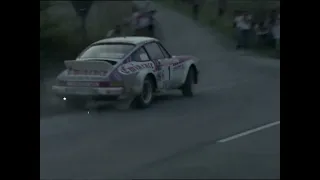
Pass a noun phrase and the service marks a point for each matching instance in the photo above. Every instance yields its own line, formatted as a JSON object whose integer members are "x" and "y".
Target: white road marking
{"x": 249, "y": 132}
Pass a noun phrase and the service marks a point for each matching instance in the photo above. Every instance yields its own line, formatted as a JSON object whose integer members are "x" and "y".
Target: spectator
{"x": 140, "y": 22}
{"x": 270, "y": 22}
{"x": 237, "y": 17}
{"x": 134, "y": 18}
{"x": 149, "y": 12}
{"x": 151, "y": 27}
{"x": 243, "y": 27}
{"x": 276, "y": 33}
{"x": 261, "y": 31}
{"x": 116, "y": 32}
{"x": 272, "y": 17}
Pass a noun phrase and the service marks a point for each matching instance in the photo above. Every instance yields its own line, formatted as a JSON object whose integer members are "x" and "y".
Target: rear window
{"x": 112, "y": 51}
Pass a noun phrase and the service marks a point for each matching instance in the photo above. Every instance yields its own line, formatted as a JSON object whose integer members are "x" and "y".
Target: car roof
{"x": 137, "y": 40}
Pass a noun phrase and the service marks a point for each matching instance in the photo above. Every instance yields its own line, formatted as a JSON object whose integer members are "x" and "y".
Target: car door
{"x": 176, "y": 68}
{"x": 164, "y": 76}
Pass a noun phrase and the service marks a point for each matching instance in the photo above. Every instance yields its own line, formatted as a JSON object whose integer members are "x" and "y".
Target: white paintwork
{"x": 249, "y": 132}
{"x": 90, "y": 91}
{"x": 138, "y": 84}
{"x": 132, "y": 74}
{"x": 172, "y": 77}
{"x": 134, "y": 67}
{"x": 128, "y": 39}
{"x": 166, "y": 70}
{"x": 88, "y": 65}
{"x": 187, "y": 66}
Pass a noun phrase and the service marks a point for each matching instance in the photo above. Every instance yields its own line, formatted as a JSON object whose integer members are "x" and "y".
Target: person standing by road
{"x": 116, "y": 32}
{"x": 140, "y": 22}
{"x": 243, "y": 26}
{"x": 149, "y": 13}
{"x": 276, "y": 34}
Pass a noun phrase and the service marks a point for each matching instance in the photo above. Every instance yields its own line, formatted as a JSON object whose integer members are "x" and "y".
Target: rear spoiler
{"x": 88, "y": 65}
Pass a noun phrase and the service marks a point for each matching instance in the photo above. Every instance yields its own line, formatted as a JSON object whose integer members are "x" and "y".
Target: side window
{"x": 166, "y": 54}
{"x": 140, "y": 55}
{"x": 154, "y": 51}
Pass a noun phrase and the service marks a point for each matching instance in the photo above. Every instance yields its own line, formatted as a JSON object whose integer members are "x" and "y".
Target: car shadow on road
{"x": 167, "y": 97}
{"x": 105, "y": 107}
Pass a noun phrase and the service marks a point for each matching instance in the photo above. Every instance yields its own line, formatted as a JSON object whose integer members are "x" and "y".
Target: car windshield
{"x": 112, "y": 51}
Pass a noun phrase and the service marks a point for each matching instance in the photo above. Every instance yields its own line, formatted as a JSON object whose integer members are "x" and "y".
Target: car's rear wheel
{"x": 189, "y": 85}
{"x": 144, "y": 99}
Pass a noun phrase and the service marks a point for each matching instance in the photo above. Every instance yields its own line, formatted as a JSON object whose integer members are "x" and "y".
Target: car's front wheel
{"x": 144, "y": 99}
{"x": 188, "y": 86}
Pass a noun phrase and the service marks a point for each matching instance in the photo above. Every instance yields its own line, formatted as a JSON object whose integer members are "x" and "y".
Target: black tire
{"x": 145, "y": 99}
{"x": 187, "y": 87}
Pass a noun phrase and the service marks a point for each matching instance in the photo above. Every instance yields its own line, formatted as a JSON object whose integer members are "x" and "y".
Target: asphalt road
{"x": 178, "y": 137}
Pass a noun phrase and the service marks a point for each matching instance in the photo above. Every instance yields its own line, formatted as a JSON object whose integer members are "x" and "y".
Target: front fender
{"x": 187, "y": 66}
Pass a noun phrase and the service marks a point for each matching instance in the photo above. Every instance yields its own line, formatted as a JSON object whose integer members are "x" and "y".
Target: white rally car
{"x": 123, "y": 67}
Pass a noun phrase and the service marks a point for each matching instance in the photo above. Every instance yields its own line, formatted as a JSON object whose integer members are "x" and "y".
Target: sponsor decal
{"x": 86, "y": 72}
{"x": 134, "y": 67}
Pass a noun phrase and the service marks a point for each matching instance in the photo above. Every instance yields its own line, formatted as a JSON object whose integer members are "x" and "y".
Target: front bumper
{"x": 87, "y": 91}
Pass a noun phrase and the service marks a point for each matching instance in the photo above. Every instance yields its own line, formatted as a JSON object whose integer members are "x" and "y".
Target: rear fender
{"x": 134, "y": 73}
{"x": 137, "y": 87}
